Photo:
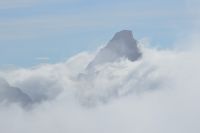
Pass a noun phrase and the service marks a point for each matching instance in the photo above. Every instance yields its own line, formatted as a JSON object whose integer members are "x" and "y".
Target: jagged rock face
{"x": 122, "y": 45}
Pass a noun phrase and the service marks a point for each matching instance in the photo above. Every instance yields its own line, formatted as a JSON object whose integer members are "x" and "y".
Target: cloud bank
{"x": 158, "y": 93}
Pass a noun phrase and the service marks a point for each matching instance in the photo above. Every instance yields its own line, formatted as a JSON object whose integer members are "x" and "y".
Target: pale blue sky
{"x": 57, "y": 29}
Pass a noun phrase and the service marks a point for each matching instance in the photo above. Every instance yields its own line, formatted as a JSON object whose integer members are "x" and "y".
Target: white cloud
{"x": 42, "y": 59}
{"x": 132, "y": 104}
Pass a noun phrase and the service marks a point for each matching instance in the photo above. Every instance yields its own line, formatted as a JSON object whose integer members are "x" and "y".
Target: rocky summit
{"x": 122, "y": 45}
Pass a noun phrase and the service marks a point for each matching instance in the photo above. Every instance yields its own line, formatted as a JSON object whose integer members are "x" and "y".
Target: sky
{"x": 39, "y": 31}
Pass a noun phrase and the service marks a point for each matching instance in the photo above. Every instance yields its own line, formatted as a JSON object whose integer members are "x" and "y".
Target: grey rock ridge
{"x": 9, "y": 94}
{"x": 122, "y": 45}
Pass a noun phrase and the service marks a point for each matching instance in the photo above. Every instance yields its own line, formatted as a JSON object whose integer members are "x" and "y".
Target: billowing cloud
{"x": 158, "y": 93}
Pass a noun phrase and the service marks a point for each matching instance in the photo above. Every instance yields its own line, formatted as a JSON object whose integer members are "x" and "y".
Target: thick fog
{"x": 159, "y": 93}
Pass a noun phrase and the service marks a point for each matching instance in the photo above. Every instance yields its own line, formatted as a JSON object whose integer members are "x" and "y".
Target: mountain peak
{"x": 122, "y": 45}
{"x": 124, "y": 34}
